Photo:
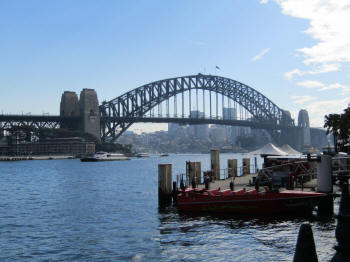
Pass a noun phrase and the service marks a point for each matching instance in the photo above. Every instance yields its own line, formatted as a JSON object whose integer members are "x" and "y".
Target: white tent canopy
{"x": 289, "y": 150}
{"x": 269, "y": 149}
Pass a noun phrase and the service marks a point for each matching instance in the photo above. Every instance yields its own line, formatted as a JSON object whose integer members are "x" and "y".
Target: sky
{"x": 295, "y": 52}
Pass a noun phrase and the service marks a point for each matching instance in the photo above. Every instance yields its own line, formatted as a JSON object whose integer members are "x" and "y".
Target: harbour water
{"x": 66, "y": 210}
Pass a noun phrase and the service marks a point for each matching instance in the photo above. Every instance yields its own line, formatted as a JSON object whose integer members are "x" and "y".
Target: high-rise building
{"x": 199, "y": 131}
{"x": 229, "y": 113}
{"x": 173, "y": 129}
{"x": 232, "y": 132}
{"x": 304, "y": 125}
{"x": 218, "y": 134}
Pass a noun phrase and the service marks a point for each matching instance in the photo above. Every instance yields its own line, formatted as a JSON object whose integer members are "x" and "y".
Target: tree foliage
{"x": 339, "y": 126}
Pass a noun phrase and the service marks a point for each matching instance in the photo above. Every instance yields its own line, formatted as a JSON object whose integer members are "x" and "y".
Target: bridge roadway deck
{"x": 52, "y": 118}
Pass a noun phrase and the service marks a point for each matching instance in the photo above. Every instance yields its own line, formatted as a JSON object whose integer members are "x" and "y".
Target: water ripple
{"x": 71, "y": 211}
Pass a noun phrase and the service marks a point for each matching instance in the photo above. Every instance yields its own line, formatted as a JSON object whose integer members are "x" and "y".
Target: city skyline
{"x": 295, "y": 53}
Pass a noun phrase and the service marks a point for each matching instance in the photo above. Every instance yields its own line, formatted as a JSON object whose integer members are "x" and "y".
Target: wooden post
{"x": 232, "y": 167}
{"x": 324, "y": 185}
{"x": 194, "y": 171}
{"x": 198, "y": 173}
{"x": 246, "y": 166}
{"x": 215, "y": 163}
{"x": 164, "y": 184}
{"x": 324, "y": 175}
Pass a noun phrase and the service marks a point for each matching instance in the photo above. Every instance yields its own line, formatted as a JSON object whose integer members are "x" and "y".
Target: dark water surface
{"x": 66, "y": 210}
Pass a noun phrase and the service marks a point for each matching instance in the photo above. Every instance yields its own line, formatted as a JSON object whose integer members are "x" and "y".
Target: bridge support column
{"x": 69, "y": 107}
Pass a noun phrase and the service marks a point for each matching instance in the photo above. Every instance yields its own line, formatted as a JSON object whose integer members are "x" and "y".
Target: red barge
{"x": 250, "y": 202}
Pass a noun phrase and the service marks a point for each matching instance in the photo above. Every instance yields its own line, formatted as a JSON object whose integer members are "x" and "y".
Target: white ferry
{"x": 104, "y": 156}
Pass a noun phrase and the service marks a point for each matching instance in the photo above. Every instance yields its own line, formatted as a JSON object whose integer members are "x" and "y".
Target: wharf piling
{"x": 164, "y": 184}
{"x": 232, "y": 167}
{"x": 194, "y": 171}
{"x": 246, "y": 166}
{"x": 215, "y": 163}
{"x": 324, "y": 185}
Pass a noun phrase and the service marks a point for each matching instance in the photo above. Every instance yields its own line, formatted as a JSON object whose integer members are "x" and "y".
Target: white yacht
{"x": 104, "y": 156}
{"x": 142, "y": 155}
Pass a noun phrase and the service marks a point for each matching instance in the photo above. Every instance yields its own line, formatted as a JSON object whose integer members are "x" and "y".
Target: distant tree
{"x": 344, "y": 133}
{"x": 114, "y": 147}
{"x": 332, "y": 123}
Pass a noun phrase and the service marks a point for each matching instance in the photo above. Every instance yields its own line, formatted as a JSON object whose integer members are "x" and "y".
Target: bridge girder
{"x": 120, "y": 113}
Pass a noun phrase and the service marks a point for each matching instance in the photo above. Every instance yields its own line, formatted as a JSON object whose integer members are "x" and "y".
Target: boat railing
{"x": 241, "y": 170}
{"x": 299, "y": 171}
{"x": 341, "y": 165}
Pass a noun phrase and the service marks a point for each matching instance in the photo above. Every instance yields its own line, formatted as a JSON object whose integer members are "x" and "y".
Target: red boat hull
{"x": 251, "y": 202}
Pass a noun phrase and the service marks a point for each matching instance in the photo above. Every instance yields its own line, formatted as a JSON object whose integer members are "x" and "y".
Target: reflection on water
{"x": 238, "y": 238}
{"x": 71, "y": 211}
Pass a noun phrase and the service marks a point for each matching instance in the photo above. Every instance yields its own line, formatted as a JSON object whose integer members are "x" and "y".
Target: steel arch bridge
{"x": 120, "y": 113}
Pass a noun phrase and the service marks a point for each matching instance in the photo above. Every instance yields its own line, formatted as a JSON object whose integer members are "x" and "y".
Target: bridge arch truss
{"x": 120, "y": 113}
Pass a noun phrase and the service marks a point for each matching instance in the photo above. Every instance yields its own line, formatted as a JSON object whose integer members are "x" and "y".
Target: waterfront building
{"x": 69, "y": 146}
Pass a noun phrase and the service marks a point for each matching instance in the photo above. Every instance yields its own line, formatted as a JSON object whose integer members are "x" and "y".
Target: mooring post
{"x": 232, "y": 185}
{"x": 164, "y": 184}
{"x": 215, "y": 163}
{"x": 305, "y": 250}
{"x": 324, "y": 185}
{"x": 206, "y": 180}
{"x": 342, "y": 232}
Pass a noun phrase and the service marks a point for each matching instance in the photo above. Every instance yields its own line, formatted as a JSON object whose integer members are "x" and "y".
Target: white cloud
{"x": 310, "y": 84}
{"x": 329, "y": 24}
{"x": 302, "y": 99}
{"x": 264, "y": 1}
{"x": 336, "y": 86}
{"x": 261, "y": 54}
{"x": 318, "y": 109}
{"x": 294, "y": 72}
{"x": 323, "y": 87}
{"x": 324, "y": 68}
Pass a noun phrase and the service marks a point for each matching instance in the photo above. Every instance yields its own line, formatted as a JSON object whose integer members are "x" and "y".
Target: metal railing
{"x": 300, "y": 171}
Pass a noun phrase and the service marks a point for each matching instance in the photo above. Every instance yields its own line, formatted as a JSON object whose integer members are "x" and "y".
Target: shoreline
{"x": 44, "y": 157}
